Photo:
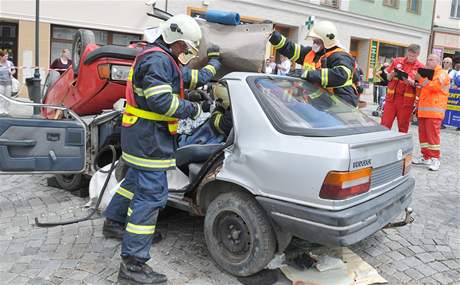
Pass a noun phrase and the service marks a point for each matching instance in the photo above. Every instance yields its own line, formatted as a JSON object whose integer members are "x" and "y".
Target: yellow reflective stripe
{"x": 424, "y": 144}
{"x": 160, "y": 89}
{"x": 217, "y": 123}
{"x": 130, "y": 211}
{"x": 347, "y": 70}
{"x": 213, "y": 53}
{"x": 324, "y": 77}
{"x": 147, "y": 114}
{"x": 125, "y": 193}
{"x": 128, "y": 120}
{"x": 434, "y": 146}
{"x": 194, "y": 79}
{"x": 140, "y": 229}
{"x": 296, "y": 55}
{"x": 281, "y": 43}
{"x": 138, "y": 90}
{"x": 130, "y": 74}
{"x": 174, "y": 105}
{"x": 432, "y": 109}
{"x": 211, "y": 68}
{"x": 148, "y": 163}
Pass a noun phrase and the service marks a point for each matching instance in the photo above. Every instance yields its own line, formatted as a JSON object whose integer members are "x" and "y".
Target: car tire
{"x": 70, "y": 182}
{"x": 238, "y": 234}
{"x": 51, "y": 78}
{"x": 81, "y": 39}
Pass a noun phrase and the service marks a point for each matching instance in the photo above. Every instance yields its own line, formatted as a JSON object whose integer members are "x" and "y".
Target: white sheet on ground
{"x": 354, "y": 272}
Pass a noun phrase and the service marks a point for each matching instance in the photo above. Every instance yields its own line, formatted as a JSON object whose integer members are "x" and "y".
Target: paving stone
{"x": 414, "y": 274}
{"x": 438, "y": 266}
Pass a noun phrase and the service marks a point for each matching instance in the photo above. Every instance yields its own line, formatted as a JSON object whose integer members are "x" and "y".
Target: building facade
{"x": 446, "y": 28}
{"x": 373, "y": 30}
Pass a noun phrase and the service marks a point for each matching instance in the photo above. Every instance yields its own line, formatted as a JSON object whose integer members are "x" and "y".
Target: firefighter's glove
{"x": 213, "y": 51}
{"x": 194, "y": 96}
{"x": 275, "y": 38}
{"x": 206, "y": 106}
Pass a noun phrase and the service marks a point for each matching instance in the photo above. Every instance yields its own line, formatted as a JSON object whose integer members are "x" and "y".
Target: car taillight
{"x": 407, "y": 164}
{"x": 340, "y": 185}
{"x": 104, "y": 71}
{"x": 119, "y": 72}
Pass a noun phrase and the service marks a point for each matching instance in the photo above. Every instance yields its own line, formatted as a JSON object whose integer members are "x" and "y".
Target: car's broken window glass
{"x": 294, "y": 104}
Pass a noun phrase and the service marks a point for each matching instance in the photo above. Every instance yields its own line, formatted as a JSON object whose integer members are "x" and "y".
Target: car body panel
{"x": 86, "y": 94}
{"x": 293, "y": 168}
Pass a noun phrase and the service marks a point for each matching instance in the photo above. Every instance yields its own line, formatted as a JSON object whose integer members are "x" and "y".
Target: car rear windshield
{"x": 297, "y": 107}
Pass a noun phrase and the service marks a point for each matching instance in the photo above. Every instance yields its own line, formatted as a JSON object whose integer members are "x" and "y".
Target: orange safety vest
{"x": 395, "y": 85}
{"x": 132, "y": 113}
{"x": 309, "y": 63}
{"x": 433, "y": 96}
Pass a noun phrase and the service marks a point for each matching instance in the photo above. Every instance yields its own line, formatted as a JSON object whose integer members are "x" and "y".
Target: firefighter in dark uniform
{"x": 155, "y": 102}
{"x": 117, "y": 210}
{"x": 323, "y": 63}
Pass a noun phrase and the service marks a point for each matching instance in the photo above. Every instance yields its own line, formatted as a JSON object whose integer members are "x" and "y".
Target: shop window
{"x": 414, "y": 6}
{"x": 62, "y": 37}
{"x": 330, "y": 3}
{"x": 455, "y": 9}
{"x": 391, "y": 3}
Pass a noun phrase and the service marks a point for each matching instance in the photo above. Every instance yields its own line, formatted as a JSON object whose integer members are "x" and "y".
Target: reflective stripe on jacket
{"x": 433, "y": 96}
{"x": 153, "y": 107}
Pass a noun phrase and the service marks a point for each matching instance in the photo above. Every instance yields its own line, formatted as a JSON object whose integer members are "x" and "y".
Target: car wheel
{"x": 51, "y": 78}
{"x": 81, "y": 39}
{"x": 70, "y": 182}
{"x": 238, "y": 234}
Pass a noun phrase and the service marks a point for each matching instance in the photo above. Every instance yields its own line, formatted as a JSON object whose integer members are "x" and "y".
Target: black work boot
{"x": 134, "y": 272}
{"x": 113, "y": 229}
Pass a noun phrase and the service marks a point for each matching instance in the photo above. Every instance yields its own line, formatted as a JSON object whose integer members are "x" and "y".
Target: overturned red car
{"x": 96, "y": 79}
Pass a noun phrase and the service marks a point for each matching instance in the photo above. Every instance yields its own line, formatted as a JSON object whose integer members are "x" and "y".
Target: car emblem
{"x": 399, "y": 155}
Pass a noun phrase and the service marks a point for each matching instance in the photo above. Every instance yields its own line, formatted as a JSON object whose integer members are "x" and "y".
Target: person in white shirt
{"x": 270, "y": 65}
{"x": 284, "y": 66}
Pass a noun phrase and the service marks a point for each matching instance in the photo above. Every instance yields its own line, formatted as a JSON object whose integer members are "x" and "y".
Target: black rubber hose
{"x": 93, "y": 210}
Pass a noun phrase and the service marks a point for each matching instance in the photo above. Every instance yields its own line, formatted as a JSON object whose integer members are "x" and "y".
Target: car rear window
{"x": 297, "y": 107}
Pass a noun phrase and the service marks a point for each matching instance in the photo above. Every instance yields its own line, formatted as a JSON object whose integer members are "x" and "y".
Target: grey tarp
{"x": 243, "y": 47}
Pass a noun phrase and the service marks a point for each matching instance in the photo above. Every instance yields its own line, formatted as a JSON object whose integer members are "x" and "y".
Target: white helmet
{"x": 326, "y": 31}
{"x": 181, "y": 28}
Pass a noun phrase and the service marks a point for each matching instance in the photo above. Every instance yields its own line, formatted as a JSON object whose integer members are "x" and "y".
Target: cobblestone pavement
{"x": 426, "y": 252}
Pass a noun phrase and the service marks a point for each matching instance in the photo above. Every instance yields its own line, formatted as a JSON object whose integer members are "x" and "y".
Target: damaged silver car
{"x": 299, "y": 162}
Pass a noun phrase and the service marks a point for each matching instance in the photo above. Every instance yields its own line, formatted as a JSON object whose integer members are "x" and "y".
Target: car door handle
{"x": 9, "y": 142}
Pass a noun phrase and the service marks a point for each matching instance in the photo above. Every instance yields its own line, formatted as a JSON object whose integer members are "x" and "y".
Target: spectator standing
{"x": 431, "y": 107}
{"x": 447, "y": 64}
{"x": 284, "y": 66}
{"x": 63, "y": 62}
{"x": 5, "y": 81}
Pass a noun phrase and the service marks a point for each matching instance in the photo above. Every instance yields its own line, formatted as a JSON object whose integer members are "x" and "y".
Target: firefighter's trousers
{"x": 429, "y": 132}
{"x": 146, "y": 192}
{"x": 117, "y": 210}
{"x": 398, "y": 110}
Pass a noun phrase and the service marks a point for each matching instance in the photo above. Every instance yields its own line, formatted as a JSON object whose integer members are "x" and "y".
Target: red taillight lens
{"x": 104, "y": 71}
{"x": 340, "y": 185}
{"x": 407, "y": 164}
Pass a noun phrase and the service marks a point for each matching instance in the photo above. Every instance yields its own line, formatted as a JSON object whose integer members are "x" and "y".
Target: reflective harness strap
{"x": 132, "y": 113}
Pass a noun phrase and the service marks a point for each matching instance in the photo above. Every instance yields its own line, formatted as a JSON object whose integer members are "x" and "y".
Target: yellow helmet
{"x": 325, "y": 31}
